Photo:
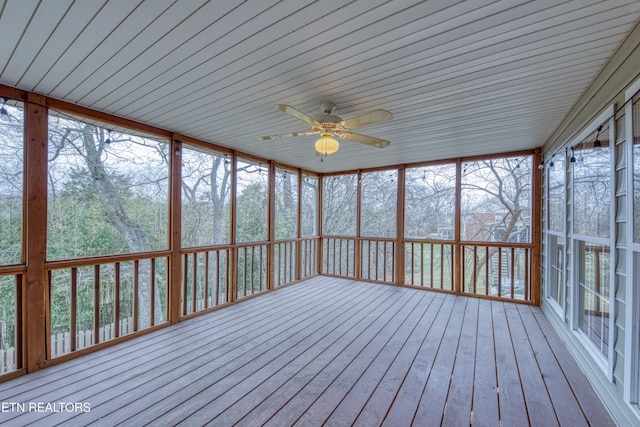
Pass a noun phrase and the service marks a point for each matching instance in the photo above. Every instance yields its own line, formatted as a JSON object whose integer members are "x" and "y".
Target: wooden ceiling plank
{"x": 447, "y": 81}
{"x": 174, "y": 111}
{"x": 267, "y": 54}
{"x": 93, "y": 35}
{"x": 126, "y": 31}
{"x": 205, "y": 42}
{"x": 163, "y": 21}
{"x": 65, "y": 32}
{"x": 14, "y": 22}
{"x": 44, "y": 20}
{"x": 169, "y": 33}
{"x": 312, "y": 71}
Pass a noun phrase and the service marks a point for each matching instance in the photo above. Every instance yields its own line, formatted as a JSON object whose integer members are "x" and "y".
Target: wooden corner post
{"x": 458, "y": 279}
{"x": 36, "y": 145}
{"x": 399, "y": 254}
{"x": 175, "y": 224}
{"x": 536, "y": 228}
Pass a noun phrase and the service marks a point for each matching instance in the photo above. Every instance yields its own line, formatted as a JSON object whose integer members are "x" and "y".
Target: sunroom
{"x": 175, "y": 250}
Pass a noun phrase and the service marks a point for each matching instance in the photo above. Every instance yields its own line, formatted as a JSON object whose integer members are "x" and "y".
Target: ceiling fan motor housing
{"x": 327, "y": 121}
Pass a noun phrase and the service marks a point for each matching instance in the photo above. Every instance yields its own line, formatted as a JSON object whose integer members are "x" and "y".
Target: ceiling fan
{"x": 329, "y": 126}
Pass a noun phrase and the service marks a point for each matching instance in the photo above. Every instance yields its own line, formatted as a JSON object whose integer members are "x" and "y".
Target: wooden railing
{"x": 499, "y": 270}
{"x": 207, "y": 272}
{"x": 284, "y": 261}
{"x": 429, "y": 264}
{"x": 339, "y": 256}
{"x": 85, "y": 295}
{"x": 11, "y": 285}
{"x": 377, "y": 259}
{"x": 295, "y": 259}
{"x": 91, "y": 296}
{"x": 251, "y": 269}
{"x": 309, "y": 256}
{"x": 205, "y": 278}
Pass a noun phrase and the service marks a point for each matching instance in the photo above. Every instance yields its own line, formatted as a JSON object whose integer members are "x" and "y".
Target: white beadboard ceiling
{"x": 460, "y": 77}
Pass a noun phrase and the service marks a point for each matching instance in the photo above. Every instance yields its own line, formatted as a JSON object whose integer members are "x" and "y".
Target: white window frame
{"x": 559, "y": 308}
{"x": 632, "y": 297}
{"x": 606, "y": 363}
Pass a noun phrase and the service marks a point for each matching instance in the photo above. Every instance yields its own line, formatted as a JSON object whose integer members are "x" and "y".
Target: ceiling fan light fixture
{"x": 327, "y": 144}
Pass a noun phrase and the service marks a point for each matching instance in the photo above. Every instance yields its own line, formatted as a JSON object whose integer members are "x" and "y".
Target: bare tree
{"x": 91, "y": 144}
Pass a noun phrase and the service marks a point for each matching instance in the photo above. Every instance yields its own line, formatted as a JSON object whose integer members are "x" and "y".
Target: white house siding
{"x": 617, "y": 380}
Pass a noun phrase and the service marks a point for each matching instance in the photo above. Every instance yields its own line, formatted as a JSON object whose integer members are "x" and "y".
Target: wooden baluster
{"x": 96, "y": 304}
{"x": 116, "y": 301}
{"x": 152, "y": 291}
{"x": 74, "y": 308}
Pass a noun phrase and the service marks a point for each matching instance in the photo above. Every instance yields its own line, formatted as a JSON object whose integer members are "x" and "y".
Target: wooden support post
{"x": 36, "y": 146}
{"x": 357, "y": 262}
{"x": 271, "y": 227}
{"x": 536, "y": 228}
{"x": 319, "y": 248}
{"x": 175, "y": 230}
{"x": 457, "y": 247}
{"x": 298, "y": 244}
{"x": 233, "y": 253}
{"x": 399, "y": 253}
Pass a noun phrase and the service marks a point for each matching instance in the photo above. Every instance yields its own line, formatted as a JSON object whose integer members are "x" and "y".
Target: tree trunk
{"x": 115, "y": 213}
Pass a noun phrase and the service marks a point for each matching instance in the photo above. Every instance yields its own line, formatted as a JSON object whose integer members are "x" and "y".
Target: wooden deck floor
{"x": 324, "y": 351}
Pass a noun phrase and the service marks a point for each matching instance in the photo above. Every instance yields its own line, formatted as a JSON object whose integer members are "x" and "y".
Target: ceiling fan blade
{"x": 285, "y": 135}
{"x": 364, "y": 139}
{"x": 376, "y": 116}
{"x": 298, "y": 114}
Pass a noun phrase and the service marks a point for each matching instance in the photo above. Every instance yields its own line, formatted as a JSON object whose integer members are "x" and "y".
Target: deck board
{"x": 460, "y": 397}
{"x": 595, "y": 412}
{"x": 566, "y": 407}
{"x": 406, "y": 401}
{"x": 327, "y": 351}
{"x": 434, "y": 397}
{"x": 264, "y": 400}
{"x": 540, "y": 408}
{"x": 388, "y": 390}
{"x": 485, "y": 398}
{"x": 356, "y": 354}
{"x": 513, "y": 410}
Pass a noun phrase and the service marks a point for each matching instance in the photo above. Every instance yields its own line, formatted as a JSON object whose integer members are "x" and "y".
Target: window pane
{"x": 379, "y": 201}
{"x": 556, "y": 268}
{"x": 496, "y": 200}
{"x": 430, "y": 202}
{"x": 11, "y": 184}
{"x": 310, "y": 206}
{"x": 636, "y": 168}
{"x": 252, "y": 202}
{"x": 593, "y": 281}
{"x": 556, "y": 190}
{"x": 108, "y": 191}
{"x": 206, "y": 183}
{"x": 592, "y": 187}
{"x": 339, "y": 200}
{"x": 286, "y": 194}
